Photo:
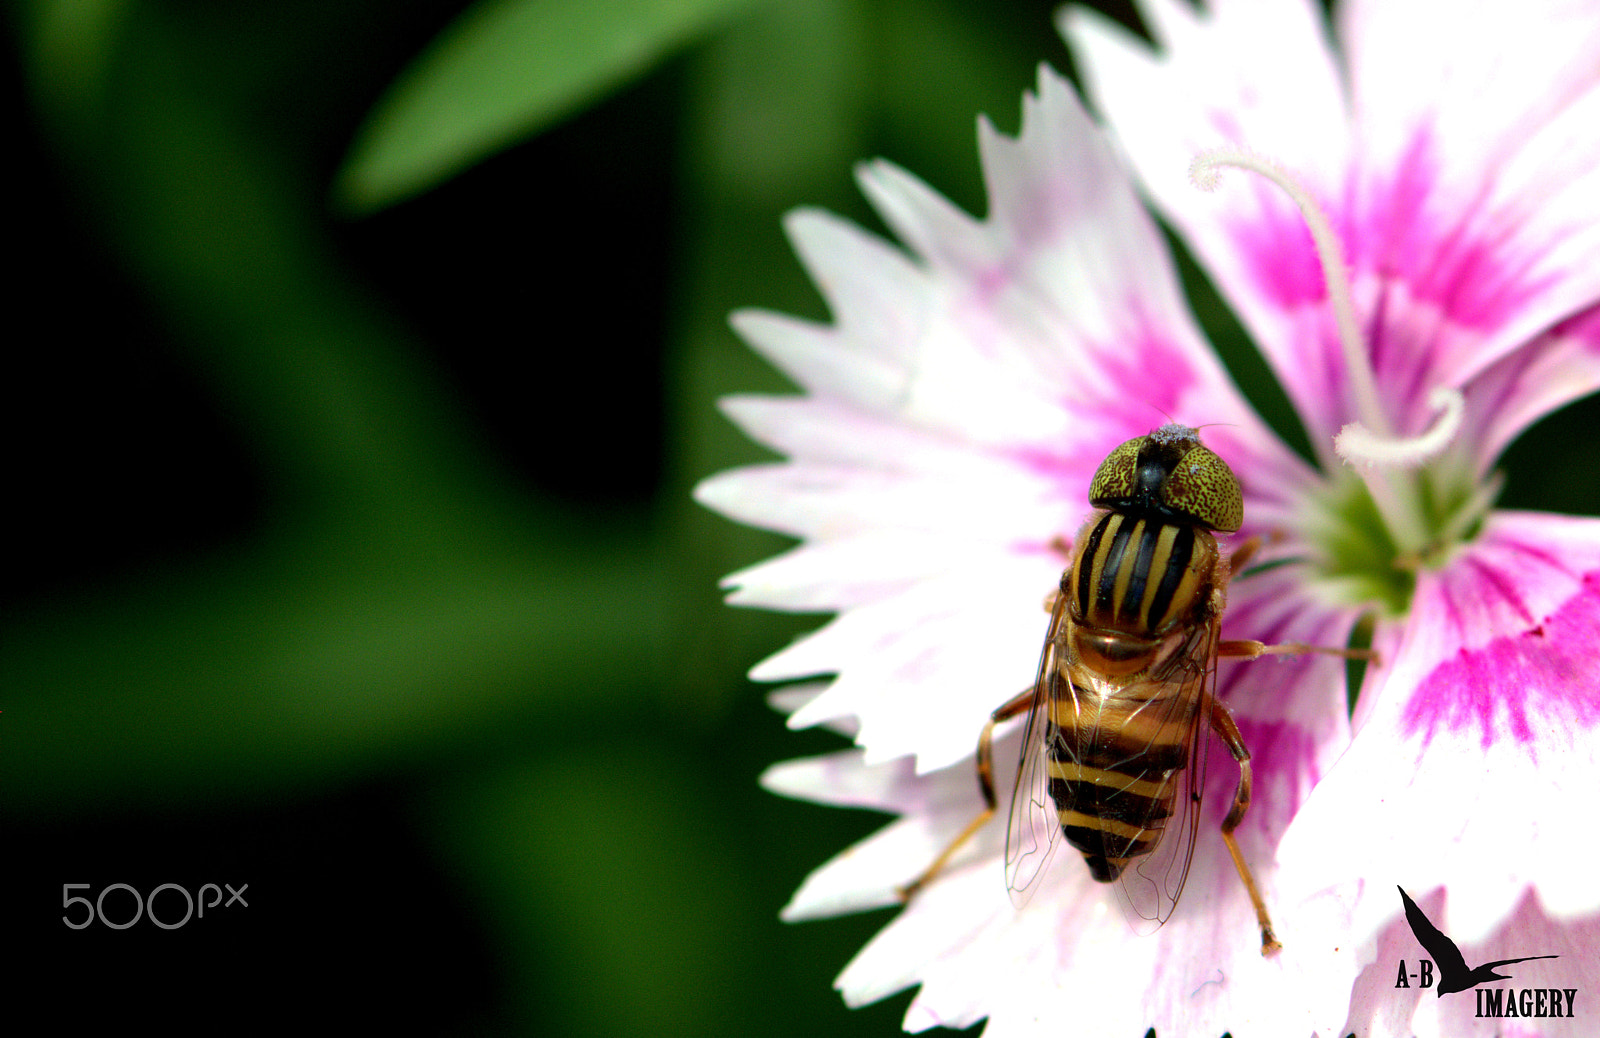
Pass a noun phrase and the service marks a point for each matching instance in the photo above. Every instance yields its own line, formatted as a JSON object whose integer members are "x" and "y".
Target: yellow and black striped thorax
{"x": 1140, "y": 574}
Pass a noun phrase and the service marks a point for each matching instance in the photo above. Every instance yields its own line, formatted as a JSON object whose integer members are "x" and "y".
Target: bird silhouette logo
{"x": 1453, "y": 972}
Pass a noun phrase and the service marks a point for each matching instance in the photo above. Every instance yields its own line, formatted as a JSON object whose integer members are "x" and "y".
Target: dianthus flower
{"x": 1418, "y": 257}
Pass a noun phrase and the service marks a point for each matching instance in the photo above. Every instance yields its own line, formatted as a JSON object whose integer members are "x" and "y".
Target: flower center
{"x": 1403, "y": 502}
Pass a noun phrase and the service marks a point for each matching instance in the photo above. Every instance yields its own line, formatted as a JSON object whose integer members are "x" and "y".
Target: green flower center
{"x": 1360, "y": 556}
{"x": 1404, "y": 502}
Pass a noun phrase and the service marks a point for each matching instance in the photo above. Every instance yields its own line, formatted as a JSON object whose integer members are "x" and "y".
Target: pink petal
{"x": 1470, "y": 215}
{"x": 956, "y": 412}
{"x": 1489, "y": 114}
{"x": 823, "y": 501}
{"x": 1292, "y": 709}
{"x": 1070, "y": 951}
{"x": 1516, "y": 623}
{"x": 923, "y": 670}
{"x": 1259, "y": 76}
{"x": 1380, "y": 1010}
{"x": 1066, "y": 286}
{"x": 1070, "y": 955}
{"x": 1473, "y": 737}
{"x": 1555, "y": 369}
{"x": 1478, "y": 193}
{"x": 868, "y": 874}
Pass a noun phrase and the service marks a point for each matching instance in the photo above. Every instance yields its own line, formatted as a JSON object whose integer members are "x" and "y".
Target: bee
{"x": 1113, "y": 752}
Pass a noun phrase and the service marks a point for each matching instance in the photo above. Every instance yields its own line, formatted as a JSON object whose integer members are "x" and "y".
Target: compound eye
{"x": 1203, "y": 486}
{"x": 1118, "y": 476}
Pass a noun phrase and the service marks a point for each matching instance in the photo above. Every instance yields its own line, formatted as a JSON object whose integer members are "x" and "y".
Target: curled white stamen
{"x": 1203, "y": 174}
{"x": 1371, "y": 443}
{"x": 1359, "y": 445}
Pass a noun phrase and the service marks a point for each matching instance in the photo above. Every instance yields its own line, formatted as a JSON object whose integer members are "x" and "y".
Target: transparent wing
{"x": 1032, "y": 827}
{"x": 1150, "y": 886}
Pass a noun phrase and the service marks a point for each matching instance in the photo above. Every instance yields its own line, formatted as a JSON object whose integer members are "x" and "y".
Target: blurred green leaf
{"x": 309, "y": 657}
{"x": 502, "y": 71}
{"x": 71, "y": 48}
{"x": 781, "y": 104}
{"x": 398, "y": 595}
{"x": 611, "y": 876}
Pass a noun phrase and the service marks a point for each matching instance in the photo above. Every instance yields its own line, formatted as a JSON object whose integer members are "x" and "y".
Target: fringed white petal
{"x": 1484, "y": 720}
{"x": 1469, "y": 214}
{"x": 1257, "y": 76}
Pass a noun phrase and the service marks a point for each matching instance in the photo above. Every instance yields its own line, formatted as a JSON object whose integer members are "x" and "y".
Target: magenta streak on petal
{"x": 1519, "y": 388}
{"x": 1279, "y": 255}
{"x": 1584, "y": 327}
{"x": 1279, "y": 752}
{"x": 1453, "y": 266}
{"x": 1456, "y": 264}
{"x": 1280, "y": 259}
{"x": 1545, "y": 674}
{"x": 1150, "y": 373}
{"x": 1278, "y": 746}
{"x": 1446, "y": 258}
{"x": 1057, "y": 467}
{"x": 1390, "y": 232}
{"x": 1273, "y": 239}
{"x": 1142, "y": 378}
{"x": 1503, "y": 587}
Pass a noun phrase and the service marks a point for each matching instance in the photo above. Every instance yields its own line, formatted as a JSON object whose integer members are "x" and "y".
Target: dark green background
{"x": 352, "y": 556}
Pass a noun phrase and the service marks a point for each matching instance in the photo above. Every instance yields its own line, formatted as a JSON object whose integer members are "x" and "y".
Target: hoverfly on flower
{"x": 1416, "y": 254}
{"x": 1113, "y": 755}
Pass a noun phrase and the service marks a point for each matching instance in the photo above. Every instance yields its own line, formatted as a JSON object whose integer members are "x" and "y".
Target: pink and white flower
{"x": 968, "y": 386}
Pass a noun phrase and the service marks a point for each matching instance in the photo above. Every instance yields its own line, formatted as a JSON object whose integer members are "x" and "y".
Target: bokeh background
{"x": 363, "y": 356}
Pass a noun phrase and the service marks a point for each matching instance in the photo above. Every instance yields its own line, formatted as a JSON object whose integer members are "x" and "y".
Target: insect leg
{"x": 1249, "y": 649}
{"x": 1245, "y": 552}
{"x": 1252, "y": 649}
{"x": 1063, "y": 547}
{"x": 1242, "y": 555}
{"x": 985, "y": 787}
{"x": 1222, "y": 722}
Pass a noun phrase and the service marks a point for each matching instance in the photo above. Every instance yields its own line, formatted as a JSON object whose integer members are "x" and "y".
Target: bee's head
{"x": 1170, "y": 475}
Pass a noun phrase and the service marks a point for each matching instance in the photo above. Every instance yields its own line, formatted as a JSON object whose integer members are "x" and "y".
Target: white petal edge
{"x": 1472, "y": 792}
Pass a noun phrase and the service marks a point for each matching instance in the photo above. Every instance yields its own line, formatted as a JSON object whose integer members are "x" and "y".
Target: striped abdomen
{"x": 1115, "y": 763}
{"x": 1123, "y": 707}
